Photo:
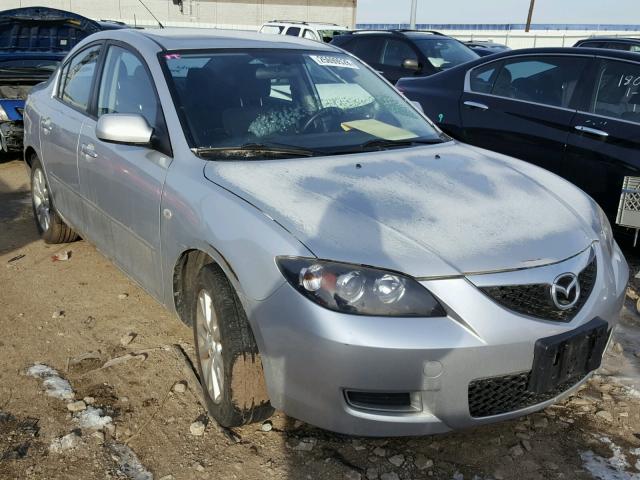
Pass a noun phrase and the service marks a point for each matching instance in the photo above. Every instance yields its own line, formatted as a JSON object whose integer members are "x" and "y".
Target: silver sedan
{"x": 337, "y": 255}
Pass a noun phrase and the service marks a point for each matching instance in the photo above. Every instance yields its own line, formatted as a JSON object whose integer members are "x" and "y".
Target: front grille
{"x": 496, "y": 395}
{"x": 535, "y": 300}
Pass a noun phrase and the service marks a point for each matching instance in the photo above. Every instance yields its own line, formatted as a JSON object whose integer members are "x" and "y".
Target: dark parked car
{"x": 33, "y": 40}
{"x": 405, "y": 53}
{"x": 486, "y": 47}
{"x": 614, "y": 43}
{"x": 573, "y": 111}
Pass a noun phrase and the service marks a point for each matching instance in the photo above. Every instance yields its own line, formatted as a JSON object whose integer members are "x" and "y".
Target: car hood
{"x": 42, "y": 29}
{"x": 438, "y": 210}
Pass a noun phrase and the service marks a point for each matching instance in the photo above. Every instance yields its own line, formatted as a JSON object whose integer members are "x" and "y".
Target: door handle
{"x": 476, "y": 105}
{"x": 592, "y": 131}
{"x": 89, "y": 150}
{"x": 46, "y": 125}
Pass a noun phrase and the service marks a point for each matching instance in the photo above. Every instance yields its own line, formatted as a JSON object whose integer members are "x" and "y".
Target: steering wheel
{"x": 323, "y": 112}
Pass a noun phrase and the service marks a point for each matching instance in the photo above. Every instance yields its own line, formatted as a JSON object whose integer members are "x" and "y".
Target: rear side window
{"x": 293, "y": 31}
{"x": 594, "y": 44}
{"x": 547, "y": 80}
{"x": 617, "y": 92}
{"x": 274, "y": 29}
{"x": 619, "y": 46}
{"x": 482, "y": 78}
{"x": 310, "y": 35}
{"x": 77, "y": 77}
{"x": 396, "y": 51}
{"x": 125, "y": 86}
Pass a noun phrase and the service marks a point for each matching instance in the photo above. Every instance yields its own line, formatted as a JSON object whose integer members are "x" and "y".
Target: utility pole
{"x": 412, "y": 21}
{"x": 528, "y": 27}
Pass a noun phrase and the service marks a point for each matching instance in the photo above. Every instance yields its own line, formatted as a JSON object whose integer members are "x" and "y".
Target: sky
{"x": 500, "y": 11}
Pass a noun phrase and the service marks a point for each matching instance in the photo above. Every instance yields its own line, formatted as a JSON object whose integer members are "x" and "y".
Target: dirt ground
{"x": 139, "y": 425}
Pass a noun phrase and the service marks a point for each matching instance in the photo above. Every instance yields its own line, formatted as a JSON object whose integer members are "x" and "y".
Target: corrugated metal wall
{"x": 240, "y": 14}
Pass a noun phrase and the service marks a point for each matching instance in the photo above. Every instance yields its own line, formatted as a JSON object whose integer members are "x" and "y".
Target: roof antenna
{"x": 154, "y": 17}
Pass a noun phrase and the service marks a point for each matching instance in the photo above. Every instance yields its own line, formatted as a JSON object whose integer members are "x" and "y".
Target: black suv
{"x": 615, "y": 43}
{"x": 573, "y": 111}
{"x": 405, "y": 53}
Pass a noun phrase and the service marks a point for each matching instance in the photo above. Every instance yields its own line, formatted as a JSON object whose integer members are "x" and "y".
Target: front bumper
{"x": 312, "y": 356}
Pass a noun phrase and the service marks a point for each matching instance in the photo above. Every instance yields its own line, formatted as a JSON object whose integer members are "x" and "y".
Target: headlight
{"x": 359, "y": 290}
{"x": 603, "y": 228}
{"x": 3, "y": 115}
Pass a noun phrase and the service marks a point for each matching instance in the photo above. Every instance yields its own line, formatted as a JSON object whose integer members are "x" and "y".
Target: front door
{"x": 605, "y": 134}
{"x": 61, "y": 121}
{"x": 123, "y": 184}
{"x": 522, "y": 106}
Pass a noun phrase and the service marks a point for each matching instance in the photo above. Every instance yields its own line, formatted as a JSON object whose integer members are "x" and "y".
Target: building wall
{"x": 236, "y": 14}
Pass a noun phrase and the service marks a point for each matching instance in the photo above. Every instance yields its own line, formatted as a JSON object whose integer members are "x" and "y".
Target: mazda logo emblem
{"x": 565, "y": 291}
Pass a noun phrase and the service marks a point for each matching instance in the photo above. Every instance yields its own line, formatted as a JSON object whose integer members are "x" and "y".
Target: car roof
{"x": 596, "y": 52}
{"x": 203, "y": 38}
{"x": 611, "y": 39}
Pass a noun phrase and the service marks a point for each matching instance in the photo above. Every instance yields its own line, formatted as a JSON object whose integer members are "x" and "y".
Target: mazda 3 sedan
{"x": 337, "y": 255}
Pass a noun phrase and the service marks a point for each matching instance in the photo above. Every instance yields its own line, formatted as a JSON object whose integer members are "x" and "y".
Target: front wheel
{"x": 51, "y": 227}
{"x": 227, "y": 355}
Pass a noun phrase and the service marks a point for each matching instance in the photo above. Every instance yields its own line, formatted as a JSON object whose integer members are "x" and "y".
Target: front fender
{"x": 199, "y": 215}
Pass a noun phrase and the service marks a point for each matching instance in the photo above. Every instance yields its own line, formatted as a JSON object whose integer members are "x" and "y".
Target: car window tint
{"x": 482, "y": 78}
{"x": 396, "y": 51}
{"x": 125, "y": 86}
{"x": 547, "y": 80}
{"x": 366, "y": 49}
{"x": 309, "y": 34}
{"x": 76, "y": 84}
{"x": 618, "y": 46}
{"x": 617, "y": 92}
{"x": 635, "y": 48}
{"x": 293, "y": 31}
{"x": 593, "y": 44}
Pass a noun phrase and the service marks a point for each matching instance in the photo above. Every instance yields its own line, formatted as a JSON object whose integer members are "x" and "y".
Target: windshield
{"x": 322, "y": 102}
{"x": 445, "y": 53}
{"x": 46, "y": 65}
{"x": 327, "y": 35}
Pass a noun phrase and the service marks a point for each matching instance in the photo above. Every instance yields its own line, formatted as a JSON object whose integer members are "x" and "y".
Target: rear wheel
{"x": 227, "y": 355}
{"x": 51, "y": 227}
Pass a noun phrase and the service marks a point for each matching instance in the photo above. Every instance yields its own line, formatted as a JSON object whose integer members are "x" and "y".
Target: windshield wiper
{"x": 383, "y": 144}
{"x": 254, "y": 150}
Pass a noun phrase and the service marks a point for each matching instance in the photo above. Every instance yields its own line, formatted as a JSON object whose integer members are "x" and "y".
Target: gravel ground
{"x": 93, "y": 388}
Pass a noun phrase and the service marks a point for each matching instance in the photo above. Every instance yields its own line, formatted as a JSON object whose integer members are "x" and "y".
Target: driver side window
{"x": 125, "y": 86}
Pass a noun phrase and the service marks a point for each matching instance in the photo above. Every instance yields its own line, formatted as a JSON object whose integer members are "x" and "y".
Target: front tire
{"x": 51, "y": 227}
{"x": 228, "y": 360}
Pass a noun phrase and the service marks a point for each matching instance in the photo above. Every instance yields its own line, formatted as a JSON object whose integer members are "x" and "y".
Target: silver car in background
{"x": 338, "y": 256}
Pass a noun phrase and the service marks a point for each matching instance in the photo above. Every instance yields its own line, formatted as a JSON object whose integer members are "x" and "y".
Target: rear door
{"x": 123, "y": 183}
{"x": 604, "y": 141}
{"x": 522, "y": 106}
{"x": 61, "y": 121}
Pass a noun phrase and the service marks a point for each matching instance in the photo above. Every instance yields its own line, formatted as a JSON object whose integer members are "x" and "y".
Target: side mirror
{"x": 126, "y": 128}
{"x": 411, "y": 64}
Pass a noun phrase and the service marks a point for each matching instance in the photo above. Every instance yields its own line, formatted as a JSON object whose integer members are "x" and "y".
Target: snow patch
{"x": 93, "y": 419}
{"x": 55, "y": 386}
{"x": 128, "y": 462}
{"x": 613, "y": 468}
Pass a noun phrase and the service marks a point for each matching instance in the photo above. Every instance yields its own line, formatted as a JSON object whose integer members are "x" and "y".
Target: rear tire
{"x": 228, "y": 360}
{"x": 51, "y": 227}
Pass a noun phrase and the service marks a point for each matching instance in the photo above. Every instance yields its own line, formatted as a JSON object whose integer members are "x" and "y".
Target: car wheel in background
{"x": 228, "y": 360}
{"x": 51, "y": 227}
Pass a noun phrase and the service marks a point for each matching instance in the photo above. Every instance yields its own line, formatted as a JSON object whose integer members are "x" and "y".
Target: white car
{"x": 320, "y": 32}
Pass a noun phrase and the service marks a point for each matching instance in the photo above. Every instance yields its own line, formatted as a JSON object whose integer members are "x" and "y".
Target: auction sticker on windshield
{"x": 331, "y": 61}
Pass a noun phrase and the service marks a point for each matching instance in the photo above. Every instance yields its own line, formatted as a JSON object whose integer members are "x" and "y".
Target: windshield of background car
{"x": 445, "y": 53}
{"x": 323, "y": 101}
